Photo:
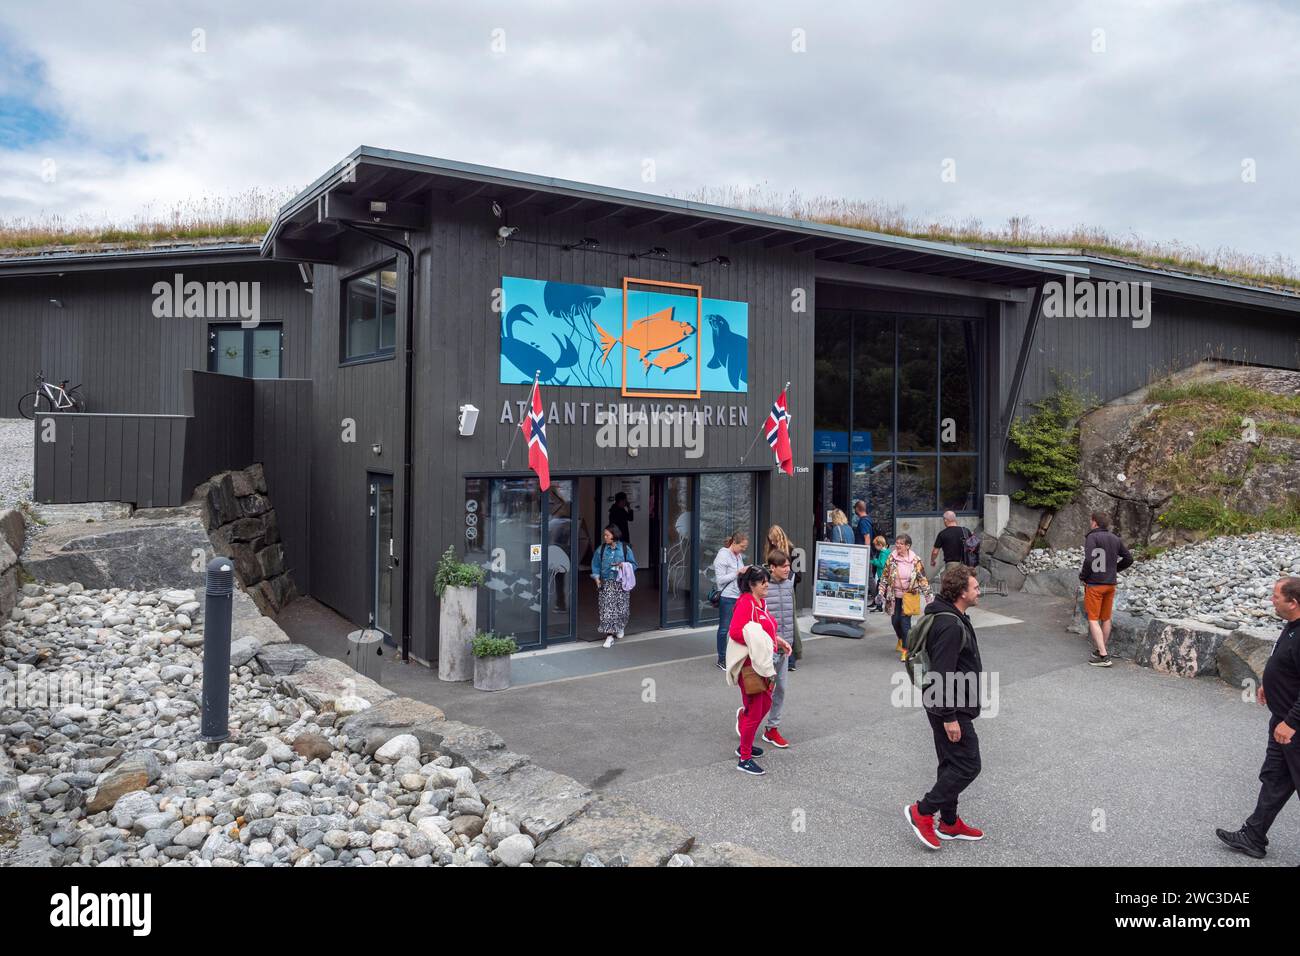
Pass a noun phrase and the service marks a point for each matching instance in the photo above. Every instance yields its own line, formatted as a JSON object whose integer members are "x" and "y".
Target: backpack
{"x": 970, "y": 545}
{"x": 917, "y": 661}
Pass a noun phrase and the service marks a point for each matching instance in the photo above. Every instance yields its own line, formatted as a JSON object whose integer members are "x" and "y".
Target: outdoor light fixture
{"x": 504, "y": 233}
{"x": 377, "y": 448}
{"x": 585, "y": 243}
{"x": 655, "y": 252}
{"x": 720, "y": 260}
{"x": 378, "y": 207}
{"x": 466, "y": 420}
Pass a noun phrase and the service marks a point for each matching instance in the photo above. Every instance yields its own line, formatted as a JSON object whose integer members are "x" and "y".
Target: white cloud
{"x": 1147, "y": 137}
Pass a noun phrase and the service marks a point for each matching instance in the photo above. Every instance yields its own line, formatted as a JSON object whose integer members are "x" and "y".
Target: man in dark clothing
{"x": 952, "y": 702}
{"x": 620, "y": 515}
{"x": 862, "y": 533}
{"x": 1280, "y": 692}
{"x": 1104, "y": 556}
{"x": 951, "y": 541}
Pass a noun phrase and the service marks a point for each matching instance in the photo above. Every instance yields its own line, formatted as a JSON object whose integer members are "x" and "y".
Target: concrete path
{"x": 1082, "y": 765}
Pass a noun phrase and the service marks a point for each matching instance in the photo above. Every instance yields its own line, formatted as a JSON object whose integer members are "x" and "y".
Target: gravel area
{"x": 111, "y": 772}
{"x": 17, "y": 436}
{"x": 1222, "y": 581}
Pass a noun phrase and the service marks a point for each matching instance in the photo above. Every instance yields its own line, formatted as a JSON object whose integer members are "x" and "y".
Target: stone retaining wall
{"x": 242, "y": 525}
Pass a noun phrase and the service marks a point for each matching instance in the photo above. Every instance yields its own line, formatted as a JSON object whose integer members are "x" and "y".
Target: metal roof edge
{"x": 88, "y": 261}
{"x": 1214, "y": 287}
{"x": 415, "y": 162}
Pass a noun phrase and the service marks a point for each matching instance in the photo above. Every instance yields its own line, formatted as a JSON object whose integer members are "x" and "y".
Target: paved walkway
{"x": 1082, "y": 766}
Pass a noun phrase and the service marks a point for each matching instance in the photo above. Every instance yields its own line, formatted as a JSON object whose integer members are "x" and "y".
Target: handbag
{"x": 750, "y": 681}
{"x": 911, "y": 603}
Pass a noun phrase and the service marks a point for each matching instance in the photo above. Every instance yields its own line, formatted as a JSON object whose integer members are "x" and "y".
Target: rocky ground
{"x": 16, "y": 440}
{"x": 1223, "y": 581}
{"x": 100, "y": 716}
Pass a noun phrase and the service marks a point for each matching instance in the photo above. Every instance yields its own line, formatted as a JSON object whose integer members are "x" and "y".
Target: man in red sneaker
{"x": 952, "y": 701}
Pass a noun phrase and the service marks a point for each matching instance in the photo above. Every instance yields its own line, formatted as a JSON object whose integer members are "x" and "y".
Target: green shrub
{"x": 455, "y": 573}
{"x": 1212, "y": 517}
{"x": 488, "y": 644}
{"x": 1048, "y": 441}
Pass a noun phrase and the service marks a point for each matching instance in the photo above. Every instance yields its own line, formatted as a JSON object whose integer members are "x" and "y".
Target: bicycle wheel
{"x": 78, "y": 402}
{"x": 28, "y": 405}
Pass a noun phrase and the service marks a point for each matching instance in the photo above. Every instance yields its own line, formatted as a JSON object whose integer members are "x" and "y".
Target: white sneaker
{"x": 609, "y": 641}
{"x": 619, "y": 635}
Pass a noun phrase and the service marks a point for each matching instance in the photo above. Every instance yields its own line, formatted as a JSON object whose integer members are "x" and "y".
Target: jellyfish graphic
{"x": 574, "y": 305}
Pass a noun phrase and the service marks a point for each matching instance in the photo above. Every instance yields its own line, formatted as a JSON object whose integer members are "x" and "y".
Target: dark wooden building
{"x": 440, "y": 290}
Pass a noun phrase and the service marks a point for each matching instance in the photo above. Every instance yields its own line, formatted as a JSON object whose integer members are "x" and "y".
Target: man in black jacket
{"x": 1280, "y": 692}
{"x": 1104, "y": 555}
{"x": 952, "y": 702}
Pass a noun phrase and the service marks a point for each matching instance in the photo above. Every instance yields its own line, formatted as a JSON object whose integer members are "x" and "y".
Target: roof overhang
{"x": 1184, "y": 284}
{"x": 58, "y": 263}
{"x": 309, "y": 226}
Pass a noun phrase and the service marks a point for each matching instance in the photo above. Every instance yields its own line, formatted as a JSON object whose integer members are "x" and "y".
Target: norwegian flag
{"x": 534, "y": 429}
{"x": 777, "y": 428}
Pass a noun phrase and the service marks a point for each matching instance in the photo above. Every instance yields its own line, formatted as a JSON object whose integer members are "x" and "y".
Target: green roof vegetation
{"x": 1018, "y": 234}
{"x": 243, "y": 217}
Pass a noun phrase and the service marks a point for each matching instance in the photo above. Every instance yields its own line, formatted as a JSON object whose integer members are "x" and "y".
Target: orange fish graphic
{"x": 667, "y": 359}
{"x": 654, "y": 332}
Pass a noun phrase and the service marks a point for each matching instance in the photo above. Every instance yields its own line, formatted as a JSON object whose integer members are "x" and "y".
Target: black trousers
{"x": 1280, "y": 779}
{"x": 959, "y": 765}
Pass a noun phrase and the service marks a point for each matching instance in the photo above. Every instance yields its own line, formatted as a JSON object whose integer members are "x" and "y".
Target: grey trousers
{"x": 782, "y": 663}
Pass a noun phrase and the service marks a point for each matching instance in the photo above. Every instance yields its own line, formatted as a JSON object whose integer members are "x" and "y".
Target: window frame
{"x": 382, "y": 354}
{"x": 213, "y": 328}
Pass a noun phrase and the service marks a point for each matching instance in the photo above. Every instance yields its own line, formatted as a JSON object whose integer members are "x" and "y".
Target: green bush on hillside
{"x": 1048, "y": 442}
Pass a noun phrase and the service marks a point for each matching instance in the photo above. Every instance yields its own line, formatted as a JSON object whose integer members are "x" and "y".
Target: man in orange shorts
{"x": 1104, "y": 556}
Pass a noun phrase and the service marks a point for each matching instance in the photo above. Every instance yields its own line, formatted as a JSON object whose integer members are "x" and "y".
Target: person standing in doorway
{"x": 727, "y": 566}
{"x": 614, "y": 603}
{"x": 1104, "y": 556}
{"x": 952, "y": 702}
{"x": 781, "y": 605}
{"x": 951, "y": 541}
{"x": 862, "y": 532}
{"x": 904, "y": 589}
{"x": 841, "y": 533}
{"x": 752, "y": 643}
{"x": 621, "y": 516}
{"x": 1280, "y": 692}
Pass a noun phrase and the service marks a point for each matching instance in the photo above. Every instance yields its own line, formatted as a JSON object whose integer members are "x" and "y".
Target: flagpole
{"x": 760, "y": 431}
{"x": 536, "y": 378}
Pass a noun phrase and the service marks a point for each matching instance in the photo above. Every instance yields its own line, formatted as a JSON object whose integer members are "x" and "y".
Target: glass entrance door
{"x": 676, "y": 554}
{"x": 560, "y": 559}
{"x": 383, "y": 553}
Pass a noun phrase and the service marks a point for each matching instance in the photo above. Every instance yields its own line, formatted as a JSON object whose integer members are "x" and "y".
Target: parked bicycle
{"x": 51, "y": 398}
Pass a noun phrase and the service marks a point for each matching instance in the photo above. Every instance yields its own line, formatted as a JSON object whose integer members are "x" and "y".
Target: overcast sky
{"x": 1132, "y": 116}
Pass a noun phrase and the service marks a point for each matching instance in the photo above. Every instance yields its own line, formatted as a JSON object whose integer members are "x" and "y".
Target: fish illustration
{"x": 654, "y": 332}
{"x": 670, "y": 358}
{"x": 730, "y": 351}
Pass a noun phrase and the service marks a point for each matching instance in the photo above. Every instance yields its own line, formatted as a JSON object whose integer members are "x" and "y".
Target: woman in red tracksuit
{"x": 752, "y": 606}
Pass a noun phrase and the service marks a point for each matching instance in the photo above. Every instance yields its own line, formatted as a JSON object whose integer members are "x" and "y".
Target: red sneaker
{"x": 922, "y": 826}
{"x": 959, "y": 831}
{"x": 773, "y": 737}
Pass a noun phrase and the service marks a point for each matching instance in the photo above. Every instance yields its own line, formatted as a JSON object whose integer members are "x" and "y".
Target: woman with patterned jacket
{"x": 904, "y": 574}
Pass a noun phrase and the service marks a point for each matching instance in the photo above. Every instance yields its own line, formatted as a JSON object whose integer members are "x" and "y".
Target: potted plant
{"x": 457, "y": 585}
{"x": 492, "y": 661}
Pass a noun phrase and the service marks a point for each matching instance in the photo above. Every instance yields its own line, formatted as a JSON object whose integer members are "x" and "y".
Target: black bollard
{"x": 216, "y": 651}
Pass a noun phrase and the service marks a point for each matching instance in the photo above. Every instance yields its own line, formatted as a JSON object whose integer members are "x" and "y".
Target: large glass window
{"x": 912, "y": 398}
{"x": 369, "y": 321}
